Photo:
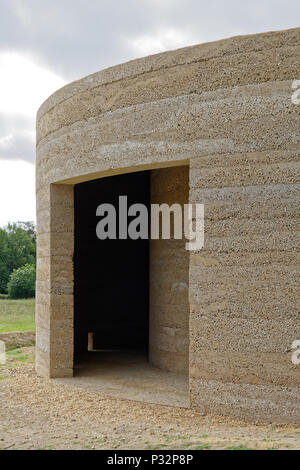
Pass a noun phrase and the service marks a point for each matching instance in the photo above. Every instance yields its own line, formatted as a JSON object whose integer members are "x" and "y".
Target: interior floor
{"x": 129, "y": 375}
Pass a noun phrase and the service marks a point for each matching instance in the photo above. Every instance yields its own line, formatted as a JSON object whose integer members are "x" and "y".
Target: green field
{"x": 17, "y": 315}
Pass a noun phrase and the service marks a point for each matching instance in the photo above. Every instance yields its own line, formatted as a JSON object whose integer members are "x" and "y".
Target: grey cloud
{"x": 76, "y": 37}
{"x": 20, "y": 146}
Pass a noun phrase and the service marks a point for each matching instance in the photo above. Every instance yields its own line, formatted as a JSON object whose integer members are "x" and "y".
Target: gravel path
{"x": 40, "y": 414}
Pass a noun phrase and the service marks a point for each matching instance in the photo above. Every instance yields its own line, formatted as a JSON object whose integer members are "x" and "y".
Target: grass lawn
{"x": 17, "y": 315}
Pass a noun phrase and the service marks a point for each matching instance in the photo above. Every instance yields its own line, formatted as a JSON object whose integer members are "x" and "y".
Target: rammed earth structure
{"x": 216, "y": 123}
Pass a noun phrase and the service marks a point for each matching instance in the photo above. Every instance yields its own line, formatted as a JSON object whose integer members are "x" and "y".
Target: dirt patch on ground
{"x": 18, "y": 339}
{"x": 45, "y": 414}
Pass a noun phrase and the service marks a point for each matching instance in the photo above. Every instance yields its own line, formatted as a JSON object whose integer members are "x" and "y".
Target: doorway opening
{"x": 111, "y": 276}
{"x": 131, "y": 311}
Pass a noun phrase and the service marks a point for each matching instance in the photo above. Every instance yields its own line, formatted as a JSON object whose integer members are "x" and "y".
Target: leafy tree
{"x": 17, "y": 248}
{"x": 4, "y": 268}
{"x": 21, "y": 283}
{"x": 28, "y": 227}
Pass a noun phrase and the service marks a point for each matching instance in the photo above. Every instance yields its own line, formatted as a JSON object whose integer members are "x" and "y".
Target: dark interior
{"x": 111, "y": 277}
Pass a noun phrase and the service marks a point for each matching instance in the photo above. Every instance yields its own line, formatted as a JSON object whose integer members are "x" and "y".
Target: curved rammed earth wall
{"x": 225, "y": 109}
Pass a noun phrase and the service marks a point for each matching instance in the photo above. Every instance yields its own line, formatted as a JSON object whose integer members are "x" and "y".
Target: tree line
{"x": 18, "y": 259}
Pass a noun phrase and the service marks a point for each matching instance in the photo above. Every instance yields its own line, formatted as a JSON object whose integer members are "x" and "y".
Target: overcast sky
{"x": 46, "y": 44}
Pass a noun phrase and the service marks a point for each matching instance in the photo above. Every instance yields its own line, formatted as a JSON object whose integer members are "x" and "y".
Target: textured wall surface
{"x": 54, "y": 286}
{"x": 244, "y": 286}
{"x": 169, "y": 279}
{"x": 225, "y": 108}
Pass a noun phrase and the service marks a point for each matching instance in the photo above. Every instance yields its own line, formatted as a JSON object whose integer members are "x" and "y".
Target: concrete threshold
{"x": 130, "y": 376}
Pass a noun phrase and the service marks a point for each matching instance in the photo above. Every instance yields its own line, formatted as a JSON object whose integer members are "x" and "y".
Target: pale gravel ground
{"x": 40, "y": 414}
